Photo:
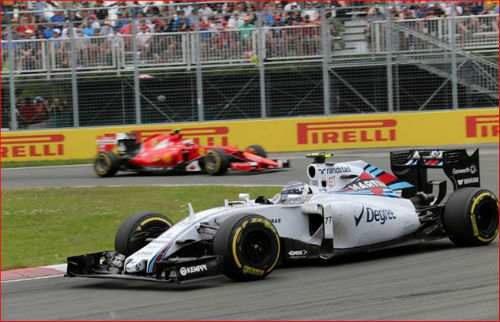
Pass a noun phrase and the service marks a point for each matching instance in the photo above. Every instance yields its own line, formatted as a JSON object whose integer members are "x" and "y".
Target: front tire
{"x": 133, "y": 232}
{"x": 216, "y": 162}
{"x": 257, "y": 150}
{"x": 106, "y": 164}
{"x": 250, "y": 246}
{"x": 471, "y": 217}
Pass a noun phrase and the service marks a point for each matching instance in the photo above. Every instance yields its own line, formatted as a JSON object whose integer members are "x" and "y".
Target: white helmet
{"x": 295, "y": 188}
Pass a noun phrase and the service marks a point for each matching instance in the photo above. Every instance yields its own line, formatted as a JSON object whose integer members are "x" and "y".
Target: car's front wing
{"x": 109, "y": 264}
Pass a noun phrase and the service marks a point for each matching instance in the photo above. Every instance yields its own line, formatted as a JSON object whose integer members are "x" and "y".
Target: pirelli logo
{"x": 214, "y": 135}
{"x": 481, "y": 126}
{"x": 21, "y": 146}
{"x": 346, "y": 131}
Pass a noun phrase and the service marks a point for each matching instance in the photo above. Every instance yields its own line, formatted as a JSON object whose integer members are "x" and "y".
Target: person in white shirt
{"x": 143, "y": 38}
{"x": 289, "y": 6}
{"x": 235, "y": 21}
{"x": 205, "y": 11}
{"x": 311, "y": 12}
{"x": 188, "y": 10}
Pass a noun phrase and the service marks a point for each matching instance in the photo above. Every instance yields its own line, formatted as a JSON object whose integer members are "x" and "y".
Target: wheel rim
{"x": 211, "y": 163}
{"x": 256, "y": 247}
{"x": 101, "y": 164}
{"x": 486, "y": 216}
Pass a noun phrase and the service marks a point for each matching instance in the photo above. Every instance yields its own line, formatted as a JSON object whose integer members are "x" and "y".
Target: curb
{"x": 32, "y": 272}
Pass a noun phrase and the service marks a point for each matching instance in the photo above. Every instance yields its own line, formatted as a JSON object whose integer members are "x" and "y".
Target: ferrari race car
{"x": 171, "y": 152}
{"x": 346, "y": 207}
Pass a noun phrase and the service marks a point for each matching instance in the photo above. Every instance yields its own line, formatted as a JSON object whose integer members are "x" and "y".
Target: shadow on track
{"x": 347, "y": 259}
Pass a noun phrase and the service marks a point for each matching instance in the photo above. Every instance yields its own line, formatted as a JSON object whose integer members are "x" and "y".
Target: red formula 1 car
{"x": 171, "y": 152}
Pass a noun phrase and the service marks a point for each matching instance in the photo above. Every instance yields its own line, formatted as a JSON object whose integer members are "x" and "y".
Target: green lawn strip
{"x": 18, "y": 164}
{"x": 42, "y": 226}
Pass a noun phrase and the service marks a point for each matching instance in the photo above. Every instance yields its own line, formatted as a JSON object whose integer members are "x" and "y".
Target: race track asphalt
{"x": 434, "y": 280}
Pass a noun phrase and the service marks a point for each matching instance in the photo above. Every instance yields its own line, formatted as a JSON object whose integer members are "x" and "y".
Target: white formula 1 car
{"x": 346, "y": 207}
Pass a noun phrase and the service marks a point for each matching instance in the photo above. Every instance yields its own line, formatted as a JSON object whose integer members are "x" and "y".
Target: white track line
{"x": 49, "y": 166}
{"x": 32, "y": 278}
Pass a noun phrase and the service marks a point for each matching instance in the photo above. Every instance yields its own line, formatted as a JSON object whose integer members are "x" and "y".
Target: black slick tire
{"x": 470, "y": 217}
{"x": 134, "y": 230}
{"x": 250, "y": 246}
{"x": 106, "y": 164}
{"x": 258, "y": 150}
{"x": 216, "y": 162}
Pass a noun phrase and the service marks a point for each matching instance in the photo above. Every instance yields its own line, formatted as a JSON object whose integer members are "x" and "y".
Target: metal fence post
{"x": 325, "y": 45}
{"x": 199, "y": 73}
{"x": 137, "y": 88}
{"x": 261, "y": 48}
{"x": 453, "y": 40}
{"x": 12, "y": 86}
{"x": 388, "y": 47}
{"x": 74, "y": 85}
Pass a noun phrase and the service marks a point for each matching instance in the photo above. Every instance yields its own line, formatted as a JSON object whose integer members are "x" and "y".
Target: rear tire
{"x": 258, "y": 150}
{"x": 216, "y": 162}
{"x": 133, "y": 232}
{"x": 471, "y": 217}
{"x": 106, "y": 164}
{"x": 250, "y": 246}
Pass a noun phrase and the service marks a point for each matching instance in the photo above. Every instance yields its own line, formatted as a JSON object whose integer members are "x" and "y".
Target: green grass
{"x": 43, "y": 226}
{"x": 18, "y": 164}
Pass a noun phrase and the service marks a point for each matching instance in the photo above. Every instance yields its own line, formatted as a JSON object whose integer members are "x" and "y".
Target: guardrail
{"x": 472, "y": 32}
{"x": 287, "y": 43}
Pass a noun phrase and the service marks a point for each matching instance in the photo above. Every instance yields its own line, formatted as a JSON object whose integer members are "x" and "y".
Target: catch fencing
{"x": 342, "y": 63}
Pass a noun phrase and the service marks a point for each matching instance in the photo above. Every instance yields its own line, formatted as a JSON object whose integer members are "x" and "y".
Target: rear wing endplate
{"x": 459, "y": 167}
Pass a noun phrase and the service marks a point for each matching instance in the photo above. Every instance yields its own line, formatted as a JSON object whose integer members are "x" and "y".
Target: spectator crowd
{"x": 100, "y": 27}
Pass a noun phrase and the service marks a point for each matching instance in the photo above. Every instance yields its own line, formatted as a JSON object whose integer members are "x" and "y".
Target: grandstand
{"x": 93, "y": 63}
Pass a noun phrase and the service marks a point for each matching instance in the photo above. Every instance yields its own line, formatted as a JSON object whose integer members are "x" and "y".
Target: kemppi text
{"x": 346, "y": 131}
{"x": 216, "y": 135}
{"x": 481, "y": 126}
{"x": 32, "y": 145}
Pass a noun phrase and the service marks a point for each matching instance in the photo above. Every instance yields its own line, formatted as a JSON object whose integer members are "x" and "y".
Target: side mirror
{"x": 244, "y": 196}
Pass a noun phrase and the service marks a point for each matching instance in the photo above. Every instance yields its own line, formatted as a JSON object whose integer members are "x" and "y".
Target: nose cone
{"x": 135, "y": 266}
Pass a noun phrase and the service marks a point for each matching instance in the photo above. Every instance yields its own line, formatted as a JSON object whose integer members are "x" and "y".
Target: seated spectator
{"x": 58, "y": 19}
{"x": 30, "y": 114}
{"x": 235, "y": 21}
{"x": 120, "y": 21}
{"x": 246, "y": 33}
{"x": 25, "y": 24}
{"x": 88, "y": 30}
{"x": 294, "y": 19}
{"x": 143, "y": 38}
{"x": 291, "y": 6}
{"x": 311, "y": 12}
{"x": 101, "y": 13}
{"x": 94, "y": 22}
{"x": 179, "y": 18}
{"x": 205, "y": 11}
{"x": 49, "y": 31}
{"x": 106, "y": 30}
{"x": 29, "y": 52}
{"x": 40, "y": 10}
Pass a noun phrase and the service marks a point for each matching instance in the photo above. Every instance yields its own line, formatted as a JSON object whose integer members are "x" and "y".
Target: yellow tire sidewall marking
{"x": 235, "y": 238}
{"x": 237, "y": 235}
{"x": 139, "y": 228}
{"x": 473, "y": 217}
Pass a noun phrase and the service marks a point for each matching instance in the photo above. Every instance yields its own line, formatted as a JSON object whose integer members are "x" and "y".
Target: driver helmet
{"x": 295, "y": 188}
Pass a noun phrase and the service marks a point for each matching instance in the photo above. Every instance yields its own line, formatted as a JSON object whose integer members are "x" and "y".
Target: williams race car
{"x": 346, "y": 207}
{"x": 171, "y": 152}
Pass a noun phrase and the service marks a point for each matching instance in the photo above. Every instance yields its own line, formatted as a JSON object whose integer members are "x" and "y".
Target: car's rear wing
{"x": 412, "y": 165}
